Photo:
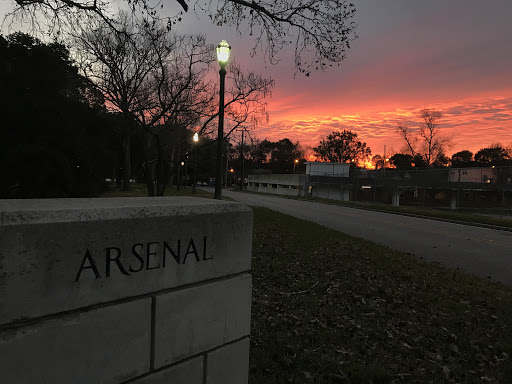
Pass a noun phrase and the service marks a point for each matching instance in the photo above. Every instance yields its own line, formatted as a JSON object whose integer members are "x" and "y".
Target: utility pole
{"x": 243, "y": 129}
{"x": 178, "y": 162}
{"x": 242, "y": 159}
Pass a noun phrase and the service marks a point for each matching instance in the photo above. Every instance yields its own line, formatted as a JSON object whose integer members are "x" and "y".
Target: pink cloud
{"x": 472, "y": 124}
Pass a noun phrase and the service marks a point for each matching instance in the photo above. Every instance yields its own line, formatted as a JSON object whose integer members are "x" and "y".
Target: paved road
{"x": 484, "y": 252}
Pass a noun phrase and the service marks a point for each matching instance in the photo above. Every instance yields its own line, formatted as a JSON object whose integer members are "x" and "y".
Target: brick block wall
{"x": 125, "y": 290}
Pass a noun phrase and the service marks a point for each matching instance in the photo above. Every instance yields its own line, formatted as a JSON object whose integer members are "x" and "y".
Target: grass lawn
{"x": 331, "y": 308}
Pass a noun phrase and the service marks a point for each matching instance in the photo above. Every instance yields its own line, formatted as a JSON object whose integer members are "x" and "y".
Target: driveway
{"x": 481, "y": 251}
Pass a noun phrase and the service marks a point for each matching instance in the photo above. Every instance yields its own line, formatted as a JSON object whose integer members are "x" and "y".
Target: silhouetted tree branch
{"x": 244, "y": 101}
{"x": 118, "y": 62}
{"x": 320, "y": 31}
{"x": 426, "y": 141}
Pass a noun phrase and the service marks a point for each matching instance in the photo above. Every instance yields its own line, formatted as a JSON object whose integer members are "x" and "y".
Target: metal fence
{"x": 437, "y": 187}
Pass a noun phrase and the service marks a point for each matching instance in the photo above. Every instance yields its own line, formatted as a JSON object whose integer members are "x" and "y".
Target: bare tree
{"x": 320, "y": 31}
{"x": 408, "y": 136}
{"x": 155, "y": 78}
{"x": 427, "y": 140}
{"x": 117, "y": 62}
{"x": 183, "y": 100}
{"x": 159, "y": 81}
{"x": 433, "y": 143}
{"x": 175, "y": 95}
{"x": 244, "y": 101}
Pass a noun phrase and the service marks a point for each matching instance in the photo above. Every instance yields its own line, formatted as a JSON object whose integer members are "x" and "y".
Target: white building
{"x": 473, "y": 175}
{"x": 308, "y": 184}
{"x": 288, "y": 184}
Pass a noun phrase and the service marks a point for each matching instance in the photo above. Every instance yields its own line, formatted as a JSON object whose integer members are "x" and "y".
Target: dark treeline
{"x": 425, "y": 146}
{"x": 266, "y": 156}
{"x": 57, "y": 138}
{"x": 494, "y": 155}
{"x": 61, "y": 140}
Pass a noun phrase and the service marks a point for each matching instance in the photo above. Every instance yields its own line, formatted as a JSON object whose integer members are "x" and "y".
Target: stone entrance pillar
{"x": 145, "y": 290}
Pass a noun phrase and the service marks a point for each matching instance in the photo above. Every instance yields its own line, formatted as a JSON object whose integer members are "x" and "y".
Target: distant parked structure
{"x": 439, "y": 187}
{"x": 317, "y": 173}
{"x": 281, "y": 184}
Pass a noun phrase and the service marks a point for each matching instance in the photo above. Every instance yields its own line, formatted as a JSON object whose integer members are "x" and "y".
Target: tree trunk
{"x": 150, "y": 161}
{"x": 162, "y": 167}
{"x": 150, "y": 176}
{"x": 118, "y": 170}
{"x": 119, "y": 177}
{"x": 177, "y": 166}
{"x": 126, "y": 158}
{"x": 164, "y": 175}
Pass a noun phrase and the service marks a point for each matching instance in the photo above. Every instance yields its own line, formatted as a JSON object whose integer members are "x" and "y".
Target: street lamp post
{"x": 196, "y": 139}
{"x": 223, "y": 50}
{"x": 294, "y": 164}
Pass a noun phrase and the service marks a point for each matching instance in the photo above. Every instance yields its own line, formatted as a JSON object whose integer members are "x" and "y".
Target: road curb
{"x": 469, "y": 223}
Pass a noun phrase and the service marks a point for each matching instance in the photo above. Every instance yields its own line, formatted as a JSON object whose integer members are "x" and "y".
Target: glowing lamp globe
{"x": 196, "y": 137}
{"x": 223, "y": 50}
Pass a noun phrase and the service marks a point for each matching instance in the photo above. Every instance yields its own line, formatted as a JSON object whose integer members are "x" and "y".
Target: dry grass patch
{"x": 331, "y": 308}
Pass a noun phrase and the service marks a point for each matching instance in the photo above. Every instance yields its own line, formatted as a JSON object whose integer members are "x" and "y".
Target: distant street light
{"x": 196, "y": 139}
{"x": 179, "y": 181}
{"x": 223, "y": 51}
{"x": 294, "y": 164}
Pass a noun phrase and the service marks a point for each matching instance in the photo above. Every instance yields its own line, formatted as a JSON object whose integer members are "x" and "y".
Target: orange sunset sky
{"x": 455, "y": 56}
{"x": 452, "y": 55}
